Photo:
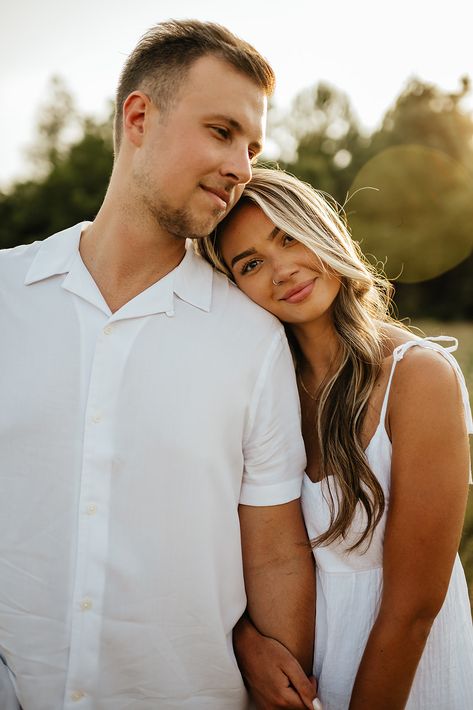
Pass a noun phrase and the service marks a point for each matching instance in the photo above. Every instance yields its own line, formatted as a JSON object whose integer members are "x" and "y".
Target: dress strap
{"x": 384, "y": 407}
{"x": 432, "y": 343}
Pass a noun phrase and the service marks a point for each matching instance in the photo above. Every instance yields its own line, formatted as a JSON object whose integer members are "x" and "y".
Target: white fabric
{"x": 127, "y": 442}
{"x": 8, "y": 700}
{"x": 349, "y": 587}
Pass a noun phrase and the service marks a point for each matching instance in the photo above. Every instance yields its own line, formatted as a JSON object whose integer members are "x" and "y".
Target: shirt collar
{"x": 56, "y": 254}
{"x": 190, "y": 281}
{"x": 193, "y": 280}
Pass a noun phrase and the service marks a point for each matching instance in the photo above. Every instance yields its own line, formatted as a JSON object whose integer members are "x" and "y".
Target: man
{"x": 148, "y": 411}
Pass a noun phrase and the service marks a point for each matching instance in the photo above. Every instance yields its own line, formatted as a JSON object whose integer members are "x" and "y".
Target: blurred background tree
{"x": 71, "y": 164}
{"x": 326, "y": 146}
{"x": 433, "y": 119}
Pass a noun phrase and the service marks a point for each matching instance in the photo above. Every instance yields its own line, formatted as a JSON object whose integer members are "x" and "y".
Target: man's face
{"x": 195, "y": 159}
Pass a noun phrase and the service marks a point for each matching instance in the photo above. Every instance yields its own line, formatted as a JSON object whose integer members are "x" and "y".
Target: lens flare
{"x": 418, "y": 219}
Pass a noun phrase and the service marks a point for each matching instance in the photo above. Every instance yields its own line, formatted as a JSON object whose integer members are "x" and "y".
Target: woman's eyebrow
{"x": 247, "y": 252}
{"x": 275, "y": 232}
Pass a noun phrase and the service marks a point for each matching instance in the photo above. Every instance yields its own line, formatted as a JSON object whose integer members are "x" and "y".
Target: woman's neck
{"x": 319, "y": 347}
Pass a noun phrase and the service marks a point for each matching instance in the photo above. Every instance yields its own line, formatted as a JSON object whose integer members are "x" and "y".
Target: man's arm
{"x": 277, "y": 558}
{"x": 280, "y": 580}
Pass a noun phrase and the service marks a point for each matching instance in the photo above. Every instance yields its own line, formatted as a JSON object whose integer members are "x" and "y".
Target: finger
{"x": 286, "y": 699}
{"x": 291, "y": 700}
{"x": 301, "y": 683}
{"x": 317, "y": 705}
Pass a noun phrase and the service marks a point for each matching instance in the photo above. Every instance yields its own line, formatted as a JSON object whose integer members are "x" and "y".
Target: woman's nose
{"x": 283, "y": 272}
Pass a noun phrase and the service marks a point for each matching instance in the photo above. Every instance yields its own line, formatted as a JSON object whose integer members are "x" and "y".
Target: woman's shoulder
{"x": 429, "y": 358}
{"x": 423, "y": 370}
{"x": 427, "y": 368}
{"x": 425, "y": 383}
{"x": 425, "y": 376}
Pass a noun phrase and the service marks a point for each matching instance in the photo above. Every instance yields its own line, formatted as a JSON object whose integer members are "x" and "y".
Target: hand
{"x": 273, "y": 676}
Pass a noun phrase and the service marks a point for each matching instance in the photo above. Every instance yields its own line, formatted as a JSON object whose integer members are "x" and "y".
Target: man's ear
{"x": 136, "y": 108}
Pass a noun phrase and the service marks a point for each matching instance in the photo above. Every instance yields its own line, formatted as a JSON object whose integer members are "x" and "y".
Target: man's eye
{"x": 223, "y": 132}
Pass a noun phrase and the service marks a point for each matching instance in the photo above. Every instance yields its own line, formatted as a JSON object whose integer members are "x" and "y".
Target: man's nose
{"x": 238, "y": 166}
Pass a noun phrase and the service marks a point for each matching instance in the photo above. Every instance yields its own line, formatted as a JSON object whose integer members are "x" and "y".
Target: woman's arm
{"x": 429, "y": 486}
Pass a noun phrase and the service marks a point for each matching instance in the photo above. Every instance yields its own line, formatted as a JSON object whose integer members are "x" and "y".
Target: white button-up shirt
{"x": 127, "y": 441}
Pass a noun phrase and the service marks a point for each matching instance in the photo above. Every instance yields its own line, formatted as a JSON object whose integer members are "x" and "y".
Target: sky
{"x": 367, "y": 48}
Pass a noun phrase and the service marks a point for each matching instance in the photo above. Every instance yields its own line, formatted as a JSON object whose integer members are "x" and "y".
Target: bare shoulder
{"x": 426, "y": 366}
{"x": 418, "y": 362}
{"x": 425, "y": 378}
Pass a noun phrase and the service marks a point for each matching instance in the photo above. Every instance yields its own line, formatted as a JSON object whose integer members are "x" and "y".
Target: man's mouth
{"x": 221, "y": 197}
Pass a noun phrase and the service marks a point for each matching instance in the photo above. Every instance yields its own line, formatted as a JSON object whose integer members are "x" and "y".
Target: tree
{"x": 72, "y": 158}
{"x": 327, "y": 145}
{"x": 420, "y": 219}
{"x": 426, "y": 115}
{"x": 58, "y": 123}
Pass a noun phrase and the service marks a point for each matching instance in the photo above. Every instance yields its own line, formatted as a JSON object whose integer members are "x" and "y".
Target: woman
{"x": 385, "y": 419}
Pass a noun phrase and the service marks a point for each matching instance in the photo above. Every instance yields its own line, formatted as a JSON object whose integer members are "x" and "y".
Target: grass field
{"x": 464, "y": 333}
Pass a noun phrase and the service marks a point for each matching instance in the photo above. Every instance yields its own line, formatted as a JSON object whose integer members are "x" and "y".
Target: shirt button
{"x": 91, "y": 509}
{"x": 77, "y": 695}
{"x": 108, "y": 330}
{"x": 86, "y": 604}
{"x": 96, "y": 418}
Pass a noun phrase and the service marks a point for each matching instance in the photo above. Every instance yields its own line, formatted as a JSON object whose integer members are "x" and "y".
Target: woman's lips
{"x": 299, "y": 293}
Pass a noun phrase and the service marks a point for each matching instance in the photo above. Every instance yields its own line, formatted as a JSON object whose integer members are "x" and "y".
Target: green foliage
{"x": 330, "y": 144}
{"x": 58, "y": 118}
{"x": 425, "y": 115}
{"x": 73, "y": 159}
{"x": 419, "y": 218}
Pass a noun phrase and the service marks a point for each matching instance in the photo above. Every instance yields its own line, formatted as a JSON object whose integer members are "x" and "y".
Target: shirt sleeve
{"x": 273, "y": 448}
{"x": 7, "y": 693}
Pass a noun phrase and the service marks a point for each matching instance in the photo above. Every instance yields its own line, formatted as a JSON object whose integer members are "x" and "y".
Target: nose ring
{"x": 276, "y": 283}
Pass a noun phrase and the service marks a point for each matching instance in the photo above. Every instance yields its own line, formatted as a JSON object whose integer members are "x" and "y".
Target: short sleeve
{"x": 273, "y": 448}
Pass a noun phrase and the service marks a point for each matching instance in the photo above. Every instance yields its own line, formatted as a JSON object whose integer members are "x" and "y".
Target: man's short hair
{"x": 160, "y": 62}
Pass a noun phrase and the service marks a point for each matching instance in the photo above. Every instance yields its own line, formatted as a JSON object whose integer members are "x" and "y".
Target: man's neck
{"x": 124, "y": 260}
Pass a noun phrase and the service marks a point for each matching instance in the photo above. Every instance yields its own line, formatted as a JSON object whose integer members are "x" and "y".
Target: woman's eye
{"x": 287, "y": 239}
{"x": 250, "y": 266}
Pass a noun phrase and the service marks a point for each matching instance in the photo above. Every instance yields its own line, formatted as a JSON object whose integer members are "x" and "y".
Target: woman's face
{"x": 274, "y": 270}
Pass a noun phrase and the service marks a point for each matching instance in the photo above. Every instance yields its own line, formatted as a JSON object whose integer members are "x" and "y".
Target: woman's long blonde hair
{"x": 362, "y": 304}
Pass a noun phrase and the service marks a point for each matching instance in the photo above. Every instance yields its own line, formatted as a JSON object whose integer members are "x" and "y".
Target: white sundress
{"x": 349, "y": 587}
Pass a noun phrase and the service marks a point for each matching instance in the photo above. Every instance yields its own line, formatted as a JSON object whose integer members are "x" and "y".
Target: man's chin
{"x": 203, "y": 230}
